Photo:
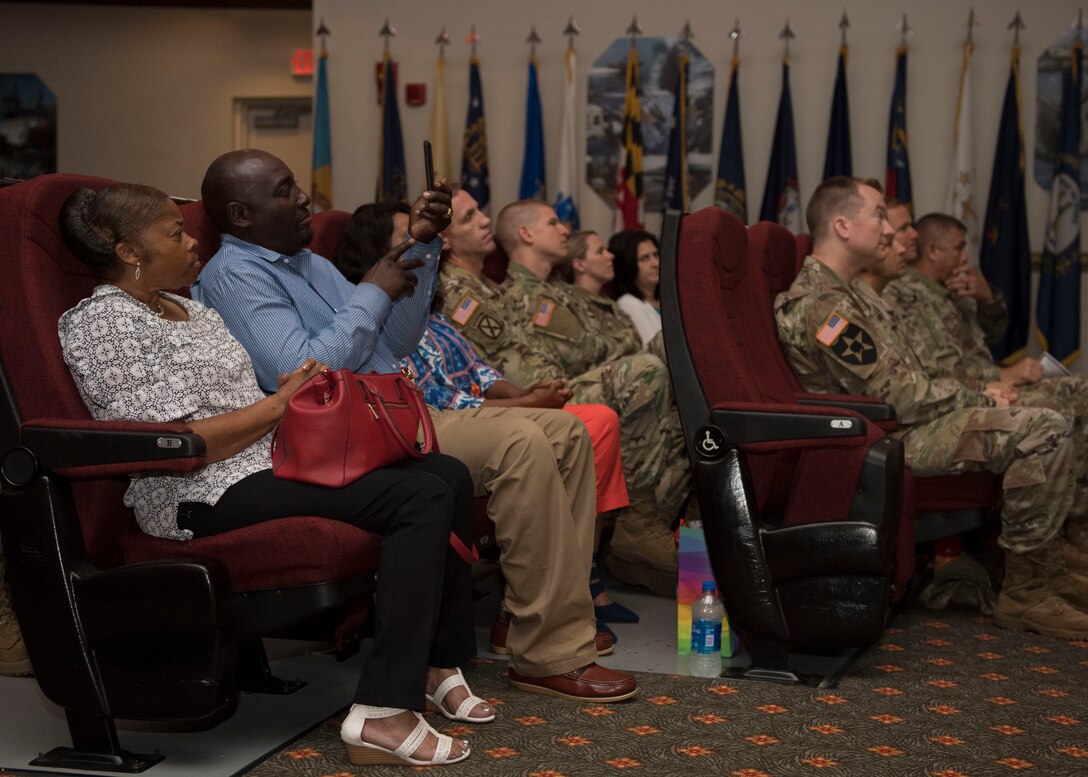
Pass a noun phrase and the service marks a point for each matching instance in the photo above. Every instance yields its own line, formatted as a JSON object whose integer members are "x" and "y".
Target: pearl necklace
{"x": 158, "y": 309}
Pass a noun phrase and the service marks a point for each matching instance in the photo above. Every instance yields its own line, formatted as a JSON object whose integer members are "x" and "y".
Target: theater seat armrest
{"x": 758, "y": 423}
{"x": 81, "y": 448}
{"x": 870, "y": 407}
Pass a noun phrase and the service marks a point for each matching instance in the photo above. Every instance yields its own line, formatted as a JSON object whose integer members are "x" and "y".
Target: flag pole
{"x": 439, "y": 128}
{"x": 321, "y": 161}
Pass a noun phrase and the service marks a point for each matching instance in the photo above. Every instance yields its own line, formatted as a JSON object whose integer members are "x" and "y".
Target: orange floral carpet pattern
{"x": 943, "y": 694}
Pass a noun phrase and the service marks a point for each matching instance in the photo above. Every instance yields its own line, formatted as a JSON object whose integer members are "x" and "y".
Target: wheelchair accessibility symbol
{"x": 710, "y": 442}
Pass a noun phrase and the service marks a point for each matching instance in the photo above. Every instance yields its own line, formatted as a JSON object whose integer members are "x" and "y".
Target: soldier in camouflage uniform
{"x": 840, "y": 338}
{"x": 949, "y": 343}
{"x": 979, "y": 301}
{"x": 634, "y": 384}
{"x": 589, "y": 266}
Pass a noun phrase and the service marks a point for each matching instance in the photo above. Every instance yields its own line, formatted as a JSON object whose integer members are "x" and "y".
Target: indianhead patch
{"x": 465, "y": 308}
{"x": 848, "y": 341}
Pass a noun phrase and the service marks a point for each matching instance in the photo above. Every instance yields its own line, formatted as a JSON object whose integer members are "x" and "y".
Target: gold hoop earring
{"x": 137, "y": 271}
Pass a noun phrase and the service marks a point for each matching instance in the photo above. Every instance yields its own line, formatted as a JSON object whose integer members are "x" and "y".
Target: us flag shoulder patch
{"x": 463, "y": 314}
{"x": 544, "y": 313}
{"x": 832, "y": 328}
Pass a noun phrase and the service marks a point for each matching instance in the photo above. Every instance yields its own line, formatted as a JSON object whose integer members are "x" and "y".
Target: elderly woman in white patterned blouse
{"x": 138, "y": 353}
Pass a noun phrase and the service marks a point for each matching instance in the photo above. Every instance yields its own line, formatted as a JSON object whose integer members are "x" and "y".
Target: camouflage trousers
{"x": 1031, "y": 446}
{"x": 655, "y": 462}
{"x": 1069, "y": 397}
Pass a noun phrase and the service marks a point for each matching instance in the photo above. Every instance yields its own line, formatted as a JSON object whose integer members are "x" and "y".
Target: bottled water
{"x": 706, "y": 633}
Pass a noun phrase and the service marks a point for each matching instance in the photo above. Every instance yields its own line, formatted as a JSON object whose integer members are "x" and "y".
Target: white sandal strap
{"x": 442, "y": 750}
{"x": 368, "y": 712}
{"x": 412, "y": 742}
{"x": 448, "y": 685}
{"x": 467, "y": 705}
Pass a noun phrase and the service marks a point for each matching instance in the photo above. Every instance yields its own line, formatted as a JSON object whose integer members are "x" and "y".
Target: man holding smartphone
{"x": 278, "y": 299}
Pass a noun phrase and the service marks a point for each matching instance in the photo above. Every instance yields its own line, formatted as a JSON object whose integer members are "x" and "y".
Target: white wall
{"x": 503, "y": 25}
{"x": 146, "y": 94}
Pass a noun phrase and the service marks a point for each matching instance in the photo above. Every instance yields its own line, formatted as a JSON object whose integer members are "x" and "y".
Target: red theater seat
{"x": 119, "y": 624}
{"x": 801, "y": 502}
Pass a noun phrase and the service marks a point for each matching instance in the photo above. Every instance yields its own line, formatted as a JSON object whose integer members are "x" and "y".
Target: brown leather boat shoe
{"x": 590, "y": 683}
{"x": 604, "y": 641}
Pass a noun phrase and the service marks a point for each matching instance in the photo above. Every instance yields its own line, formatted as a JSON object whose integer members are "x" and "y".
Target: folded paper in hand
{"x": 1052, "y": 368}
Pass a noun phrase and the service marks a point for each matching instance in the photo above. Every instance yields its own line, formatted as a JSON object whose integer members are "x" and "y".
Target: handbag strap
{"x": 382, "y": 413}
{"x": 468, "y": 554}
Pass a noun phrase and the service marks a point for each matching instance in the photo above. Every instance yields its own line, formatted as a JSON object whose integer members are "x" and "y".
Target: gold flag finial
{"x": 532, "y": 40}
{"x": 1016, "y": 25}
{"x": 387, "y": 31}
{"x": 972, "y": 22}
{"x": 787, "y": 35}
{"x": 570, "y": 31}
{"x": 904, "y": 30}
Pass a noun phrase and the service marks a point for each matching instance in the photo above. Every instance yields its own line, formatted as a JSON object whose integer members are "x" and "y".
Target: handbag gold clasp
{"x": 372, "y": 410}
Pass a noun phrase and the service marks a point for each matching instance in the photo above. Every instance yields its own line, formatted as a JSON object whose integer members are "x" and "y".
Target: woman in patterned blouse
{"x": 138, "y": 353}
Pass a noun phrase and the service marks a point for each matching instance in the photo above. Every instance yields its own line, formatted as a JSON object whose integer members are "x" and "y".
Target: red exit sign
{"x": 302, "y": 63}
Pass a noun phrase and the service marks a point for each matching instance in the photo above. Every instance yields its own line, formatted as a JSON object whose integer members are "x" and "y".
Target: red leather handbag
{"x": 338, "y": 426}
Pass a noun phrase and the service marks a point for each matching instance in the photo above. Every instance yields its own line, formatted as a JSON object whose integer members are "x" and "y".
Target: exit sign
{"x": 302, "y": 63}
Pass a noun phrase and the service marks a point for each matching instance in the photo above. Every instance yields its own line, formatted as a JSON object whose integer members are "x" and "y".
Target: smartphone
{"x": 428, "y": 165}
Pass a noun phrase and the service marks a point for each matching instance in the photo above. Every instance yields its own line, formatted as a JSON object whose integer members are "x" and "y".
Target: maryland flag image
{"x": 630, "y": 199}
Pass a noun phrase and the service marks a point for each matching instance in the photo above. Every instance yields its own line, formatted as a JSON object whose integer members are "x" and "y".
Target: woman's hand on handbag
{"x": 289, "y": 383}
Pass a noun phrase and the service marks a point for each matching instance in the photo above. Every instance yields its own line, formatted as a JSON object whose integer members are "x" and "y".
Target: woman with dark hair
{"x": 638, "y": 278}
{"x": 367, "y": 237}
{"x": 139, "y": 353}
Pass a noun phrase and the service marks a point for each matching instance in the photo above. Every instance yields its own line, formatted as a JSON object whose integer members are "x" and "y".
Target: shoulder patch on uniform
{"x": 834, "y": 326}
{"x": 489, "y": 326}
{"x": 544, "y": 312}
{"x": 462, "y": 314}
{"x": 854, "y": 346}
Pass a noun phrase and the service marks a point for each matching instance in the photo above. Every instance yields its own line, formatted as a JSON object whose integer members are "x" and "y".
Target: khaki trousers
{"x": 537, "y": 467}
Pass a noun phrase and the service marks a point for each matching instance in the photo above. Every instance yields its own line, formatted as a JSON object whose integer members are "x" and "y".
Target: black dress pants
{"x": 423, "y": 603}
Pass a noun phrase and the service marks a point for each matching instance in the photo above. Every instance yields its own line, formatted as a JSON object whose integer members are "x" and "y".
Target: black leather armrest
{"x": 760, "y": 425}
{"x": 63, "y": 443}
{"x": 874, "y": 410}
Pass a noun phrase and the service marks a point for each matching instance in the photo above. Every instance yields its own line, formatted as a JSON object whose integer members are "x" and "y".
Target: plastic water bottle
{"x": 706, "y": 633}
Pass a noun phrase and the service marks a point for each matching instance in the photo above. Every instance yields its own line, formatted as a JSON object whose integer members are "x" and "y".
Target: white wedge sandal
{"x": 434, "y": 702}
{"x": 362, "y": 753}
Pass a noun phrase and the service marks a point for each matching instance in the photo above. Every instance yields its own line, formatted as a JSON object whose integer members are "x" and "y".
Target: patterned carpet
{"x": 943, "y": 694}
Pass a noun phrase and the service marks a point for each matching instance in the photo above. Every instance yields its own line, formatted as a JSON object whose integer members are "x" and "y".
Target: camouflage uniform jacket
{"x": 605, "y": 321}
{"x": 989, "y": 317}
{"x": 475, "y": 305}
{"x": 946, "y": 336}
{"x": 545, "y": 312}
{"x": 838, "y": 339}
